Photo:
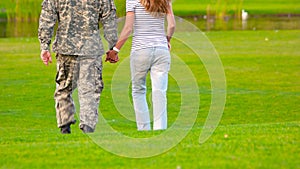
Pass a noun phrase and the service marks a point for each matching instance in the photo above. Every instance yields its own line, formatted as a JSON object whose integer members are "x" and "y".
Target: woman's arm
{"x": 171, "y": 23}
{"x": 127, "y": 29}
{"x": 112, "y": 55}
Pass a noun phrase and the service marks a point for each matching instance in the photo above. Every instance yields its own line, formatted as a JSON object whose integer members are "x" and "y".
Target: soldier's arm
{"x": 47, "y": 22}
{"x": 108, "y": 19}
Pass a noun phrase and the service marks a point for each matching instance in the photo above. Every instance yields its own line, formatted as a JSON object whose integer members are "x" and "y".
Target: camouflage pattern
{"x": 78, "y": 26}
{"x": 65, "y": 85}
{"x": 84, "y": 72}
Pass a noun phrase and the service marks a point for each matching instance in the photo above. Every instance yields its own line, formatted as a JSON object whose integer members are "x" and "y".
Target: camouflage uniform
{"x": 78, "y": 49}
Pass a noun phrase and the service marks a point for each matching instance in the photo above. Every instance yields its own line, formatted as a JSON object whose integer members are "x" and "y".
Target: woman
{"x": 149, "y": 53}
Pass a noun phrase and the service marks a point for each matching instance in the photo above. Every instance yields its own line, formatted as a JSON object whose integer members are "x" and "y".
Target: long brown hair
{"x": 156, "y": 7}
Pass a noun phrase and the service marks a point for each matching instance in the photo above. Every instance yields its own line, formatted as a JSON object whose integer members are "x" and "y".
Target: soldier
{"x": 78, "y": 49}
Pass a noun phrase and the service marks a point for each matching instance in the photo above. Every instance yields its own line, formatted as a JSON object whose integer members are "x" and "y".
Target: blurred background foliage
{"x": 29, "y": 10}
{"x": 24, "y": 10}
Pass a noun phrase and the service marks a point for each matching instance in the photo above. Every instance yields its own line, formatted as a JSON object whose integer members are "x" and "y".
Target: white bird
{"x": 244, "y": 15}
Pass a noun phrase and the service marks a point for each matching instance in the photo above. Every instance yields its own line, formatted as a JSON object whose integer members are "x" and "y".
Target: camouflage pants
{"x": 84, "y": 73}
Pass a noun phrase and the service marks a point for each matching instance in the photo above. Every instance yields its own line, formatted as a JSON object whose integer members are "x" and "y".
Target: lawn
{"x": 260, "y": 126}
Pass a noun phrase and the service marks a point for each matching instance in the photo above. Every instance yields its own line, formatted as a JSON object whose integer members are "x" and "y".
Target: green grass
{"x": 261, "y": 117}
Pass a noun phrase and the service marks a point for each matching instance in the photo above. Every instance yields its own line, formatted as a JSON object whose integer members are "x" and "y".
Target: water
{"x": 18, "y": 29}
{"x": 275, "y": 22}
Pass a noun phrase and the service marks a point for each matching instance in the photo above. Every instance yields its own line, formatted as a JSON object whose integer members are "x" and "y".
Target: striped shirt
{"x": 148, "y": 31}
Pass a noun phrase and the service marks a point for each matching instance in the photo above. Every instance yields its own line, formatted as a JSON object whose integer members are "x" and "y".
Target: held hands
{"x": 169, "y": 46}
{"x": 46, "y": 57}
{"x": 112, "y": 56}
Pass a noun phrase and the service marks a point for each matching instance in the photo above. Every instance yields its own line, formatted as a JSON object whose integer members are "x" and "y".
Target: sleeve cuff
{"x": 45, "y": 47}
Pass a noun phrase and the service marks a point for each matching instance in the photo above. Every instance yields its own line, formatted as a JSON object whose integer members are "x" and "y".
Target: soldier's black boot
{"x": 66, "y": 129}
{"x": 86, "y": 128}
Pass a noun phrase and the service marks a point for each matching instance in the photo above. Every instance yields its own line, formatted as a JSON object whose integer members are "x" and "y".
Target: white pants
{"x": 155, "y": 60}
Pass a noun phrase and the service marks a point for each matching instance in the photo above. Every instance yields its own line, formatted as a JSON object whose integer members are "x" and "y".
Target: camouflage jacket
{"x": 78, "y": 26}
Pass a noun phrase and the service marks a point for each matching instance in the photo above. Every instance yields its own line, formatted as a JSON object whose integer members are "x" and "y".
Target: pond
{"x": 265, "y": 22}
{"x": 258, "y": 22}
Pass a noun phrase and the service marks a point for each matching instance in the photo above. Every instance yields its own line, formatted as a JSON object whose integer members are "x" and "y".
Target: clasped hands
{"x": 112, "y": 56}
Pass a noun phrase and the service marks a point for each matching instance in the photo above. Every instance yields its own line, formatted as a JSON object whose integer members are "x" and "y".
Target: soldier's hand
{"x": 112, "y": 56}
{"x": 46, "y": 57}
